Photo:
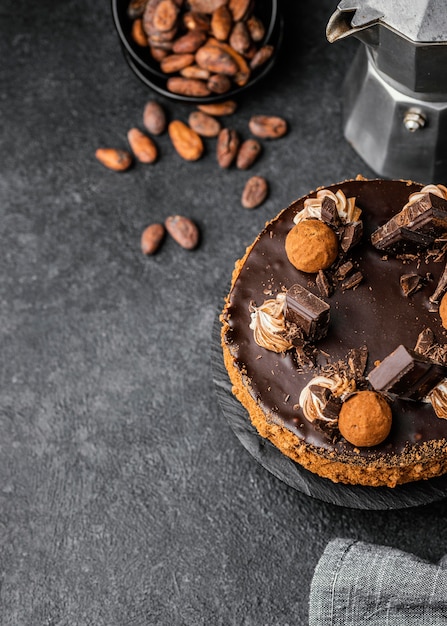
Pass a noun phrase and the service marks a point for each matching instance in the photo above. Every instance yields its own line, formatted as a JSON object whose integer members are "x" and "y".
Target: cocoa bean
{"x": 158, "y": 53}
{"x": 185, "y": 140}
{"x": 187, "y": 86}
{"x": 240, "y": 38}
{"x": 175, "y": 62}
{"x": 255, "y": 192}
{"x": 243, "y": 71}
{"x": 135, "y": 8}
{"x": 228, "y": 107}
{"x": 205, "y": 6}
{"x": 151, "y": 238}
{"x": 183, "y": 231}
{"x": 137, "y": 33}
{"x": 240, "y": 8}
{"x": 142, "y": 146}
{"x": 261, "y": 56}
{"x": 248, "y": 154}
{"x": 227, "y": 147}
{"x": 221, "y": 23}
{"x": 194, "y": 71}
{"x": 114, "y": 158}
{"x": 219, "y": 83}
{"x": 204, "y": 125}
{"x": 213, "y": 57}
{"x": 268, "y": 126}
{"x": 165, "y": 16}
{"x": 196, "y": 21}
{"x": 256, "y": 28}
{"x": 190, "y": 42}
{"x": 154, "y": 118}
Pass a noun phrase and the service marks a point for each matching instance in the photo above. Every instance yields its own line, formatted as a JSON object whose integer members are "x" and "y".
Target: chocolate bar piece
{"x": 351, "y": 235}
{"x": 417, "y": 225}
{"x": 329, "y": 213}
{"x": 406, "y": 374}
{"x": 307, "y": 311}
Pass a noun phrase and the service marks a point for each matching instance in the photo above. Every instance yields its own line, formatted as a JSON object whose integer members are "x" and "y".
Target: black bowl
{"x": 147, "y": 69}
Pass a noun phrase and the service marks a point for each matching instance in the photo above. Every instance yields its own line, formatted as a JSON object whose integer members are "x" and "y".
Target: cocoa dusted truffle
{"x": 365, "y": 419}
{"x": 443, "y": 310}
{"x": 311, "y": 245}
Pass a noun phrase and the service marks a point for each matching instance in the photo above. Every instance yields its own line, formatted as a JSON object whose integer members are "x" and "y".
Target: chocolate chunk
{"x": 417, "y": 225}
{"x": 357, "y": 359}
{"x": 406, "y": 374}
{"x": 352, "y": 281}
{"x": 307, "y": 311}
{"x": 344, "y": 270}
{"x": 329, "y": 404}
{"x": 351, "y": 235}
{"x": 410, "y": 283}
{"x": 324, "y": 284}
{"x": 425, "y": 341}
{"x": 329, "y": 213}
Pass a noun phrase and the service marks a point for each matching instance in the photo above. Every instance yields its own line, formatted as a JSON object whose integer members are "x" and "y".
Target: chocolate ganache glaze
{"x": 376, "y": 313}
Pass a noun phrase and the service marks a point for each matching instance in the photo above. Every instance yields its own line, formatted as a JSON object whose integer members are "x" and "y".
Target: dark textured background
{"x": 125, "y": 498}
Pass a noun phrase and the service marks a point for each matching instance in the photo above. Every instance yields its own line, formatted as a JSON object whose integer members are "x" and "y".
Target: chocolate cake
{"x": 340, "y": 358}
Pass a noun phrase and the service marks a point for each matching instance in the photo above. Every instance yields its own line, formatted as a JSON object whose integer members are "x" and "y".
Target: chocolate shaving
{"x": 442, "y": 286}
{"x": 425, "y": 341}
{"x": 324, "y": 284}
{"x": 330, "y": 405}
{"x": 410, "y": 283}
{"x": 344, "y": 270}
{"x": 352, "y": 281}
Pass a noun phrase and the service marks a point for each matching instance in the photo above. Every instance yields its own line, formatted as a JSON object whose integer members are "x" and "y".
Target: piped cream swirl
{"x": 346, "y": 207}
{"x": 436, "y": 190}
{"x": 312, "y": 406}
{"x": 438, "y": 399}
{"x": 268, "y": 324}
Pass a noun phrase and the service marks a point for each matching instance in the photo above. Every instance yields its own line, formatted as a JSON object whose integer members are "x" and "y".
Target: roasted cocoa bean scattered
{"x": 154, "y": 118}
{"x": 114, "y": 158}
{"x": 196, "y": 21}
{"x": 151, "y": 238}
{"x": 185, "y": 140}
{"x": 248, "y": 154}
{"x": 268, "y": 126}
{"x": 204, "y": 124}
{"x": 205, "y": 6}
{"x": 256, "y": 28}
{"x": 227, "y": 147}
{"x": 219, "y": 108}
{"x": 183, "y": 231}
{"x": 255, "y": 192}
{"x": 165, "y": 15}
{"x": 188, "y": 86}
{"x": 142, "y": 146}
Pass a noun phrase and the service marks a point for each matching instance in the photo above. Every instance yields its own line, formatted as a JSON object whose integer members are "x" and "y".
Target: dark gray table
{"x": 125, "y": 497}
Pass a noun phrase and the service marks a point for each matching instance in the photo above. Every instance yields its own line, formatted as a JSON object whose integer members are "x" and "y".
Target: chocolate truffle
{"x": 311, "y": 245}
{"x": 443, "y": 310}
{"x": 365, "y": 419}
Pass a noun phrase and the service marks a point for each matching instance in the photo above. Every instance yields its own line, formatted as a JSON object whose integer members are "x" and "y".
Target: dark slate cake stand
{"x": 294, "y": 475}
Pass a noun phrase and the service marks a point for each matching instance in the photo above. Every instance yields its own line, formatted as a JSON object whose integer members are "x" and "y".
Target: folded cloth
{"x": 357, "y": 583}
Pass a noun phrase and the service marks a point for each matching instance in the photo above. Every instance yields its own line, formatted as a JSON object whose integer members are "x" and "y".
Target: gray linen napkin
{"x": 357, "y": 583}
